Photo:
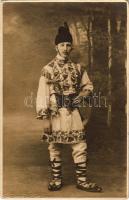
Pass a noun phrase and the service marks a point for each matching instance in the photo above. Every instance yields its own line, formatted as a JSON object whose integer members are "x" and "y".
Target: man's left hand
{"x": 80, "y": 97}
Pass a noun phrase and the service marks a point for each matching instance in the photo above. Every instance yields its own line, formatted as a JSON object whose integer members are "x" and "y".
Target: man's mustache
{"x": 66, "y": 52}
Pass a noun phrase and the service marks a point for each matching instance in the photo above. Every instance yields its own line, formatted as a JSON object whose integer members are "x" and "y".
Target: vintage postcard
{"x": 64, "y": 99}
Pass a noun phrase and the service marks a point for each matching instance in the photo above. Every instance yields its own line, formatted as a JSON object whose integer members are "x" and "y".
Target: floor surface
{"x": 26, "y": 164}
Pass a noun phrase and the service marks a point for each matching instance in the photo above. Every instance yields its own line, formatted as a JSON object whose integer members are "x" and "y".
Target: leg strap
{"x": 56, "y": 181}
{"x": 80, "y": 169}
{"x": 82, "y": 182}
{"x": 56, "y": 169}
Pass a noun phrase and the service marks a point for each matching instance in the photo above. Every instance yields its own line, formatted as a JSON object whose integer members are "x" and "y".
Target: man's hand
{"x": 46, "y": 125}
{"x": 79, "y": 98}
{"x": 39, "y": 115}
{"x": 42, "y": 114}
{"x": 84, "y": 93}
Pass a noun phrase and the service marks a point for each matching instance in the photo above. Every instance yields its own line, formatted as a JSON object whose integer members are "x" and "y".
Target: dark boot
{"x": 82, "y": 182}
{"x": 56, "y": 180}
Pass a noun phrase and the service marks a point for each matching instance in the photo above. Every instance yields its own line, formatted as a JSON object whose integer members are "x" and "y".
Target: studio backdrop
{"x": 99, "y": 38}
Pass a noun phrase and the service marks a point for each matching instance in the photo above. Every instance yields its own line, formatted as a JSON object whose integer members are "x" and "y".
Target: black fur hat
{"x": 63, "y": 35}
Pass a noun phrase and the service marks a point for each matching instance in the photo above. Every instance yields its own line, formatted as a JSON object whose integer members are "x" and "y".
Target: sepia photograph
{"x": 64, "y": 99}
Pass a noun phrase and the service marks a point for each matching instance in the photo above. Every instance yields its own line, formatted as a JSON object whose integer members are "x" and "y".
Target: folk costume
{"x": 60, "y": 83}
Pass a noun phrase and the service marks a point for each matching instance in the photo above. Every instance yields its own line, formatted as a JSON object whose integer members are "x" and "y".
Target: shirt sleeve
{"x": 43, "y": 98}
{"x": 86, "y": 84}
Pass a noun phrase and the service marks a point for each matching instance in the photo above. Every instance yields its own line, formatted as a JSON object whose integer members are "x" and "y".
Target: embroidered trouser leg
{"x": 79, "y": 152}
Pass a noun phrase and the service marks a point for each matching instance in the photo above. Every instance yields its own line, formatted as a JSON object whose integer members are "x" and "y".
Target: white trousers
{"x": 79, "y": 151}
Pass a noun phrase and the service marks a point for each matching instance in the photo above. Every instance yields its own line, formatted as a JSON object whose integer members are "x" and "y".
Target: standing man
{"x": 62, "y": 86}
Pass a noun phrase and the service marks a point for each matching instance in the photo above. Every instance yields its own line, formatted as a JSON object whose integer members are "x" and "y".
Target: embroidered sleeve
{"x": 45, "y": 101}
{"x": 48, "y": 74}
{"x": 42, "y": 100}
{"x": 85, "y": 83}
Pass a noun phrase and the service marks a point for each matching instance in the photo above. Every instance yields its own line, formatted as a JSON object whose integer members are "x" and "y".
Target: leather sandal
{"x": 82, "y": 182}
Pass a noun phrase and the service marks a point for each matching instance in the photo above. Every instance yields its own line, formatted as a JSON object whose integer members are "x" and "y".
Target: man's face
{"x": 64, "y": 49}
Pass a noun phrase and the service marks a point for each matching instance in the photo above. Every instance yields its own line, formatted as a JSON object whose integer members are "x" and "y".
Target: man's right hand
{"x": 46, "y": 125}
{"x": 41, "y": 114}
